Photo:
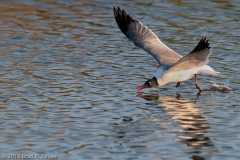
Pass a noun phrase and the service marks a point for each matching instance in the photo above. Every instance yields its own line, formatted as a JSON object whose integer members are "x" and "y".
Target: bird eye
{"x": 149, "y": 83}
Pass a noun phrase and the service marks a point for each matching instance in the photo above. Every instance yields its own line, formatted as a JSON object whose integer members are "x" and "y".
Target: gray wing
{"x": 144, "y": 38}
{"x": 197, "y": 58}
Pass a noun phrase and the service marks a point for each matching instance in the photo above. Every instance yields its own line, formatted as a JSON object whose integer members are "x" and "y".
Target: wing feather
{"x": 197, "y": 58}
{"x": 144, "y": 38}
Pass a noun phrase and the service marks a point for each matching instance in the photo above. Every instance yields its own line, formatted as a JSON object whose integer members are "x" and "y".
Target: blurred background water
{"x": 68, "y": 80}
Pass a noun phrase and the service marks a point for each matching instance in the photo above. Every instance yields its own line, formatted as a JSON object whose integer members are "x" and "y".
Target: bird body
{"x": 164, "y": 76}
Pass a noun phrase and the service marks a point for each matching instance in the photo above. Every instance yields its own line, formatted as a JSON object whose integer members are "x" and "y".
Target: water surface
{"x": 69, "y": 78}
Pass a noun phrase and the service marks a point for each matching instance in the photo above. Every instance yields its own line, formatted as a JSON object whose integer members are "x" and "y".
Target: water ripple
{"x": 69, "y": 78}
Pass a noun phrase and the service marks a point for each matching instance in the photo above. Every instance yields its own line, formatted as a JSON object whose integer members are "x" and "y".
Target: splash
{"x": 221, "y": 88}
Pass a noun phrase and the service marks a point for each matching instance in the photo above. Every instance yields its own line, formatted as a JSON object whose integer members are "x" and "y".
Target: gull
{"x": 173, "y": 67}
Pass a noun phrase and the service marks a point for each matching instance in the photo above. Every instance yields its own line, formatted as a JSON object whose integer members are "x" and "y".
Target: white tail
{"x": 208, "y": 70}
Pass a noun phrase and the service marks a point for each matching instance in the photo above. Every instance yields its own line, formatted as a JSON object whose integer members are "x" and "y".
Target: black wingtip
{"x": 202, "y": 45}
{"x": 122, "y": 19}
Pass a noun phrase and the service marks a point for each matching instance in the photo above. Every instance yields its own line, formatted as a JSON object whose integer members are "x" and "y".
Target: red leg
{"x": 178, "y": 84}
{"x": 196, "y": 84}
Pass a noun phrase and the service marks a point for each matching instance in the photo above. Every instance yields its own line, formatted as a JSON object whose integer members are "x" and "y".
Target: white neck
{"x": 159, "y": 73}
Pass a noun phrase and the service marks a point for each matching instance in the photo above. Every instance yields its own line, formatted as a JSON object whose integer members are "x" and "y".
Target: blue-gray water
{"x": 68, "y": 80}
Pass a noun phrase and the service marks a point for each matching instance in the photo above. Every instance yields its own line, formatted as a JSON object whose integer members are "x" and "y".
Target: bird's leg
{"x": 178, "y": 84}
{"x": 196, "y": 84}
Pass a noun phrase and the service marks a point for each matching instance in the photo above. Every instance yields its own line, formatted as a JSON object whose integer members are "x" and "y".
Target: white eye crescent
{"x": 150, "y": 83}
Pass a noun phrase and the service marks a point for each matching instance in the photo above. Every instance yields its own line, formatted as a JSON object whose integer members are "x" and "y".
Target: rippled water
{"x": 69, "y": 78}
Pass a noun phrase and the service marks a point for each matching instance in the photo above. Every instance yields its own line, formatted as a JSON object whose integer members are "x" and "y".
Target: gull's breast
{"x": 178, "y": 76}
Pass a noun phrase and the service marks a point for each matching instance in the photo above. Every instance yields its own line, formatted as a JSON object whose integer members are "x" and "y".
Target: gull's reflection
{"x": 156, "y": 96}
{"x": 191, "y": 125}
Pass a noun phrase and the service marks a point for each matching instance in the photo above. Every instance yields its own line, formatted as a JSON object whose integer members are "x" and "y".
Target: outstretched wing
{"x": 144, "y": 38}
{"x": 197, "y": 58}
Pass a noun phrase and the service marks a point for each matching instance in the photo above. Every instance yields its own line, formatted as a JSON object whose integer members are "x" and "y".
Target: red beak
{"x": 141, "y": 87}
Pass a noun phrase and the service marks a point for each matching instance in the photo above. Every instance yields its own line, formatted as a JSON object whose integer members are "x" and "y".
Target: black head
{"x": 151, "y": 83}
